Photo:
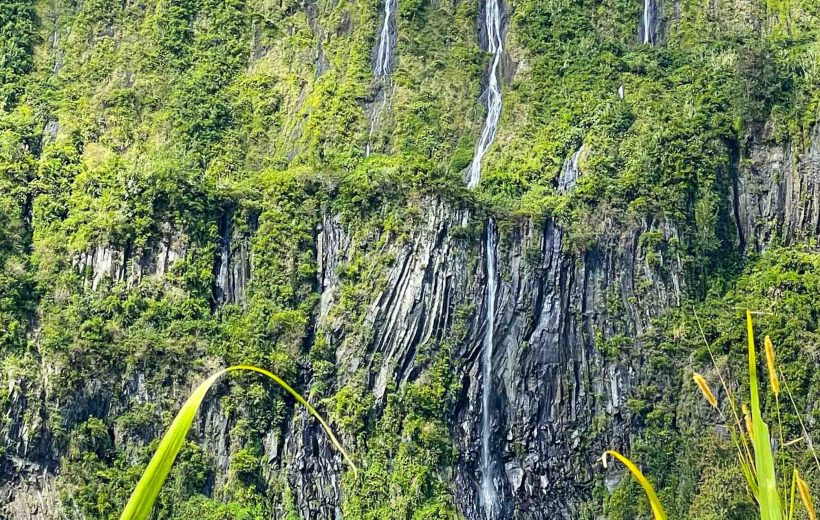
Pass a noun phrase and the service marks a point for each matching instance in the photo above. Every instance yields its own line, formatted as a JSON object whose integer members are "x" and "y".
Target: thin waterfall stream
{"x": 382, "y": 66}
{"x": 488, "y": 493}
{"x": 495, "y": 45}
{"x": 384, "y": 50}
{"x": 649, "y": 18}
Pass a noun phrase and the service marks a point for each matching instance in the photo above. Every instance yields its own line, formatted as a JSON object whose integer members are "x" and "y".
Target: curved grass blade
{"x": 654, "y": 501}
{"x": 145, "y": 494}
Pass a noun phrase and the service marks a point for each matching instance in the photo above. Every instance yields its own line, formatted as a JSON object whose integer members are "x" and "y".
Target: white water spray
{"x": 489, "y": 495}
{"x": 495, "y": 45}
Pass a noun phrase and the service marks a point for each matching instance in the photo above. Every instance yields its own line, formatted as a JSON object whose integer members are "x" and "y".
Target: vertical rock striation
{"x": 777, "y": 193}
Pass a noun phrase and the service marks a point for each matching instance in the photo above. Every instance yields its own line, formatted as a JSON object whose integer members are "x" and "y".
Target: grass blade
{"x": 145, "y": 494}
{"x": 654, "y": 501}
{"x": 767, "y": 496}
{"x": 746, "y": 459}
{"x": 794, "y": 488}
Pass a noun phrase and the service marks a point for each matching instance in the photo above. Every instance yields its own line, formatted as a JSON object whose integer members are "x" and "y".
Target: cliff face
{"x": 777, "y": 192}
{"x": 284, "y": 184}
{"x": 550, "y": 383}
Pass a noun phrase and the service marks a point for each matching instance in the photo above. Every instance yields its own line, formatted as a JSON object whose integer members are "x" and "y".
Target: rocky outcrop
{"x": 233, "y": 265}
{"x": 551, "y": 382}
{"x": 777, "y": 197}
{"x": 314, "y": 470}
{"x": 125, "y": 264}
{"x": 31, "y": 494}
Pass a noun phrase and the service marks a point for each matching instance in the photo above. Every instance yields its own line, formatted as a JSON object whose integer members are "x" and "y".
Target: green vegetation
{"x": 142, "y": 500}
{"x": 758, "y": 468}
{"x": 136, "y": 137}
{"x": 693, "y": 466}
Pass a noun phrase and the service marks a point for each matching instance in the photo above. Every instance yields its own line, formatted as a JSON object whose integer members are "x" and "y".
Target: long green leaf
{"x": 145, "y": 494}
{"x": 767, "y": 495}
{"x": 654, "y": 501}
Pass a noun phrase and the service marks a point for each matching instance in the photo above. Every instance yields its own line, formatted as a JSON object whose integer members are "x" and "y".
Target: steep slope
{"x": 189, "y": 184}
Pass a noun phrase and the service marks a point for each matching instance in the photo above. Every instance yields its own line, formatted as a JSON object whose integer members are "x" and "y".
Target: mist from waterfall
{"x": 382, "y": 67}
{"x": 492, "y": 20}
{"x": 488, "y": 493}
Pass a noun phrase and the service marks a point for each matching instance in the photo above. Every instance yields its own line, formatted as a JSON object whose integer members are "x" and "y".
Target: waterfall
{"x": 223, "y": 278}
{"x": 489, "y": 495}
{"x": 382, "y": 66}
{"x": 492, "y": 20}
{"x": 570, "y": 172}
{"x": 384, "y": 49}
{"x": 649, "y": 18}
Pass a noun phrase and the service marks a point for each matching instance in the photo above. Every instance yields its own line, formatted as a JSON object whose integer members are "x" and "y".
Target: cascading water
{"x": 495, "y": 45}
{"x": 570, "y": 172}
{"x": 223, "y": 275}
{"x": 384, "y": 50}
{"x": 382, "y": 65}
{"x": 488, "y": 493}
{"x": 650, "y": 16}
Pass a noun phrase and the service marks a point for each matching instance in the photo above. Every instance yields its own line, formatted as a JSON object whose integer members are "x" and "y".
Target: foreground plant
{"x": 768, "y": 497}
{"x": 756, "y": 461}
{"x": 654, "y": 501}
{"x": 145, "y": 494}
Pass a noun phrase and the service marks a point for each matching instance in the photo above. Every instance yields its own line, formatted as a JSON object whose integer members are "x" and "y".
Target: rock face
{"x": 233, "y": 265}
{"x": 117, "y": 264}
{"x": 550, "y": 382}
{"x": 554, "y": 309}
{"x": 32, "y": 494}
{"x": 778, "y": 192}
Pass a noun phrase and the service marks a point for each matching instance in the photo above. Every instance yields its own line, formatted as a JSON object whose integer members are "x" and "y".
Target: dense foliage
{"x": 130, "y": 129}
